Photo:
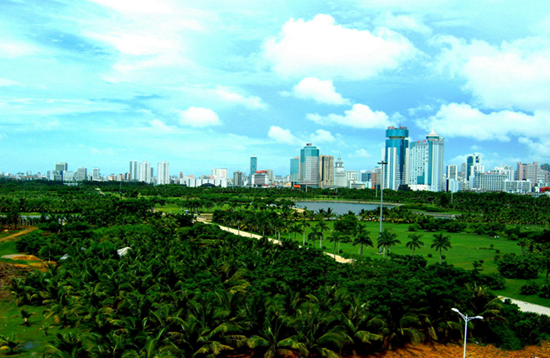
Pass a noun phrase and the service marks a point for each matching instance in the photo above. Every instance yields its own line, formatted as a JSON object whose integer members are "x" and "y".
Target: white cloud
{"x": 199, "y": 117}
{"x": 359, "y": 116}
{"x": 250, "y": 102}
{"x": 161, "y": 127}
{"x": 360, "y": 153}
{"x": 321, "y": 136}
{"x": 4, "y": 82}
{"x": 318, "y": 90}
{"x": 282, "y": 135}
{"x": 320, "y": 48}
{"x": 462, "y": 120}
{"x": 540, "y": 149}
{"x": 402, "y": 22}
{"x": 514, "y": 75}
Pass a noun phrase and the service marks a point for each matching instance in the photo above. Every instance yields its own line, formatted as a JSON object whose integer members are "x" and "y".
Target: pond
{"x": 337, "y": 208}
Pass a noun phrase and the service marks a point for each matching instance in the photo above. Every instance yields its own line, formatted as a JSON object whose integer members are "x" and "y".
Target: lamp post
{"x": 381, "y": 195}
{"x": 466, "y": 320}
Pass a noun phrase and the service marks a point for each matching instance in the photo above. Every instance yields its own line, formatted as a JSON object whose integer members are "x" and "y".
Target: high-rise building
{"x": 238, "y": 178}
{"x": 452, "y": 171}
{"x": 326, "y": 174}
{"x": 528, "y": 171}
{"x": 309, "y": 165}
{"x": 253, "y": 165}
{"x": 163, "y": 173}
{"x": 340, "y": 179}
{"x": 425, "y": 164}
{"x": 61, "y": 167}
{"x": 395, "y": 155}
{"x": 295, "y": 169}
{"x": 220, "y": 173}
{"x": 352, "y": 176}
{"x": 95, "y": 174}
{"x": 134, "y": 170}
{"x": 81, "y": 174}
{"x": 473, "y": 161}
{"x": 145, "y": 172}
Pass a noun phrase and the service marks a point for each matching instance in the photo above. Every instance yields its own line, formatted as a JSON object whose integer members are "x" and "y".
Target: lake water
{"x": 337, "y": 208}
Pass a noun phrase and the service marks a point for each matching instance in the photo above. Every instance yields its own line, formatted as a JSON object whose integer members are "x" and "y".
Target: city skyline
{"x": 207, "y": 84}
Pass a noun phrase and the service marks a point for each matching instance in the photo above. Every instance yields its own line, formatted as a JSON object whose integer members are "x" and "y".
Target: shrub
{"x": 530, "y": 288}
{"x": 544, "y": 291}
{"x": 514, "y": 266}
{"x": 430, "y": 255}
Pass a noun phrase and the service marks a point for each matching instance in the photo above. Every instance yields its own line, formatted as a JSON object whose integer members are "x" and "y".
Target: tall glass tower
{"x": 426, "y": 161}
{"x": 253, "y": 166}
{"x": 395, "y": 155}
{"x": 309, "y": 166}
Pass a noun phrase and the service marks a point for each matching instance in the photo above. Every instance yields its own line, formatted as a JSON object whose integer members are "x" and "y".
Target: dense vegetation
{"x": 185, "y": 289}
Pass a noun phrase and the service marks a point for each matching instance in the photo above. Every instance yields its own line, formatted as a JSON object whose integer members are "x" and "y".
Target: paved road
{"x": 529, "y": 307}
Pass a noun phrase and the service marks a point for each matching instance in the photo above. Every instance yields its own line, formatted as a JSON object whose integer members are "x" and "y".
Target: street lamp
{"x": 381, "y": 196}
{"x": 466, "y": 320}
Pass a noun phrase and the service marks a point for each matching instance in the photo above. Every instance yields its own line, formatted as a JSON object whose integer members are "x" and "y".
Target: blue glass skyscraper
{"x": 395, "y": 155}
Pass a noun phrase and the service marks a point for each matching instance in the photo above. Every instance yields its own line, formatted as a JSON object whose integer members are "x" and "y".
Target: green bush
{"x": 530, "y": 288}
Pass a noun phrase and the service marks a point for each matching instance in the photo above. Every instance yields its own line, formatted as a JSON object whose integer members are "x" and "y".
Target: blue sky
{"x": 206, "y": 84}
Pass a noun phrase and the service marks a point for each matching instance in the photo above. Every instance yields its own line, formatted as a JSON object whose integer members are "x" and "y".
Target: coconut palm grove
{"x": 136, "y": 270}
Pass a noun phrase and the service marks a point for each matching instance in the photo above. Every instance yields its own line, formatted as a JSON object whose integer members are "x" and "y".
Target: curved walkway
{"x": 528, "y": 307}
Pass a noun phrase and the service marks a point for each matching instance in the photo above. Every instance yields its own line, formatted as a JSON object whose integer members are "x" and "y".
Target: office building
{"x": 163, "y": 173}
{"x": 326, "y": 167}
{"x": 340, "y": 179}
{"x": 309, "y": 166}
{"x": 426, "y": 164}
{"x": 395, "y": 155}
{"x": 490, "y": 181}
{"x": 351, "y": 176}
{"x": 61, "y": 167}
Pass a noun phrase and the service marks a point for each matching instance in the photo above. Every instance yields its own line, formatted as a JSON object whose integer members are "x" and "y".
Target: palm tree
{"x": 415, "y": 242}
{"x": 321, "y": 226}
{"x": 304, "y": 224}
{"x": 441, "y": 243}
{"x": 387, "y": 240}
{"x": 362, "y": 237}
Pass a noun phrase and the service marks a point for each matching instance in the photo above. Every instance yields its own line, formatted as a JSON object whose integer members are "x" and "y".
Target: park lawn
{"x": 465, "y": 248}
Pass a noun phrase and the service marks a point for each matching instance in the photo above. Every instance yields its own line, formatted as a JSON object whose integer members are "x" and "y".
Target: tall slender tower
{"x": 134, "y": 170}
{"x": 395, "y": 155}
{"x": 145, "y": 172}
{"x": 295, "y": 169}
{"x": 309, "y": 165}
{"x": 253, "y": 166}
{"x": 471, "y": 162}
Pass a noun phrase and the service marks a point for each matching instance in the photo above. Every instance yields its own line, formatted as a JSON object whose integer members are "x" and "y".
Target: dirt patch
{"x": 7, "y": 272}
{"x": 21, "y": 257}
{"x": 474, "y": 351}
{"x": 20, "y": 233}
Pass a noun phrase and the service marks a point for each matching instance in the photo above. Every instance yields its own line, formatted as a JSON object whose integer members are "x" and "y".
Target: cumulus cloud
{"x": 462, "y": 120}
{"x": 282, "y": 135}
{"x": 514, "y": 75}
{"x": 320, "y": 48}
{"x": 199, "y": 117}
{"x": 359, "y": 116}
{"x": 321, "y": 136}
{"x": 250, "y": 102}
{"x": 402, "y": 22}
{"x": 318, "y": 90}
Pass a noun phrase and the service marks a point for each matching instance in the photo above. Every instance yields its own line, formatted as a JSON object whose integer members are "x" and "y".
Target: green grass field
{"x": 466, "y": 248}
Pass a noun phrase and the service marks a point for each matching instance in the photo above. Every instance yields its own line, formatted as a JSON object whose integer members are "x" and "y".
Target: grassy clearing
{"x": 33, "y": 338}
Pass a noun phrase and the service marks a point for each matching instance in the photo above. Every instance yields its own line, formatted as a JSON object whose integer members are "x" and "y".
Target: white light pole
{"x": 466, "y": 320}
{"x": 381, "y": 196}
